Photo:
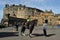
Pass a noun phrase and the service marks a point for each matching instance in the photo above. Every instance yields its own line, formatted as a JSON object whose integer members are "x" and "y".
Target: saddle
{"x": 28, "y": 25}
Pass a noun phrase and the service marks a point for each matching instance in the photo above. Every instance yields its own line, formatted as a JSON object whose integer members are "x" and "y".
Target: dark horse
{"x": 28, "y": 25}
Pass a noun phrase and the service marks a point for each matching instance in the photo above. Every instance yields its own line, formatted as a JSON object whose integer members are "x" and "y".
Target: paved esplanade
{"x": 10, "y": 34}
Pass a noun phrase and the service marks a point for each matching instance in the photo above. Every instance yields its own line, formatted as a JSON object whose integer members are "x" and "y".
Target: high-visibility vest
{"x": 28, "y": 19}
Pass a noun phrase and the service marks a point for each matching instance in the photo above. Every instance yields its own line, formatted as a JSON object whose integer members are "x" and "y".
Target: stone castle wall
{"x": 21, "y": 11}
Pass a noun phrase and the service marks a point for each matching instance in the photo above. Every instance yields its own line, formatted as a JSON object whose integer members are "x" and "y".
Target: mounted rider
{"x": 28, "y": 21}
{"x": 28, "y": 18}
{"x": 29, "y": 24}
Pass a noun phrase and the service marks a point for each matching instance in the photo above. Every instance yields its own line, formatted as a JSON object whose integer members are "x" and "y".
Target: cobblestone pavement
{"x": 11, "y": 34}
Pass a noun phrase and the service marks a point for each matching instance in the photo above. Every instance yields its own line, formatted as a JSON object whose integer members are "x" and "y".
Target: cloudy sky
{"x": 40, "y": 4}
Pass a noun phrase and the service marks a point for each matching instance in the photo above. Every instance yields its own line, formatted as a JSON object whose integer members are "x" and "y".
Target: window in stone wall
{"x": 45, "y": 16}
{"x": 16, "y": 9}
{"x": 14, "y": 12}
{"x": 14, "y": 15}
{"x": 42, "y": 19}
{"x": 19, "y": 8}
{"x": 32, "y": 13}
{"x": 59, "y": 19}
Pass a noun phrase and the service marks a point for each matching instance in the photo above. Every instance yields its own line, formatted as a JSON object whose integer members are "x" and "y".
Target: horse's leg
{"x": 31, "y": 29}
{"x": 16, "y": 27}
{"x": 23, "y": 30}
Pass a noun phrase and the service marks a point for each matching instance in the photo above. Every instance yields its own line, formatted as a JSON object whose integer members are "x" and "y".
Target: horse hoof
{"x": 30, "y": 35}
{"x": 23, "y": 34}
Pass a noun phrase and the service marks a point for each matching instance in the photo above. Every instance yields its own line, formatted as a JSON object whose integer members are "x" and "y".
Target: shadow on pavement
{"x": 50, "y": 35}
{"x": 38, "y": 35}
{"x": 8, "y": 34}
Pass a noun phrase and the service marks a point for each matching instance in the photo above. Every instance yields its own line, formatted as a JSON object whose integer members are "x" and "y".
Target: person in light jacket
{"x": 44, "y": 27}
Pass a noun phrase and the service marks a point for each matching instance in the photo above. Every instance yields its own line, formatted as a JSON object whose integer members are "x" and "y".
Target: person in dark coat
{"x": 16, "y": 26}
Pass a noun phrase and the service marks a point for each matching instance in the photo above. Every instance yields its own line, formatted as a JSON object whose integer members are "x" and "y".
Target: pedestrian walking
{"x": 44, "y": 27}
{"x": 16, "y": 26}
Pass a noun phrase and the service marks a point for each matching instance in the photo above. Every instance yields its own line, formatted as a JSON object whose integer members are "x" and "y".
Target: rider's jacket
{"x": 28, "y": 19}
